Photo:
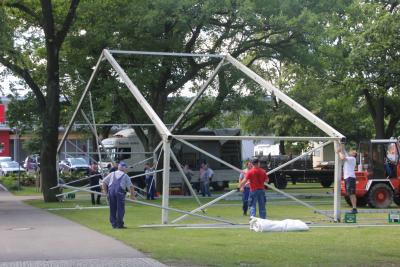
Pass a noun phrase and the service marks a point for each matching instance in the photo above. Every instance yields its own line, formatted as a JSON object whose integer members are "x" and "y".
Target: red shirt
{"x": 257, "y": 178}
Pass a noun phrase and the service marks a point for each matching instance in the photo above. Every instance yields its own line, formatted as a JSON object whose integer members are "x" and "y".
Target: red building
{"x": 4, "y": 132}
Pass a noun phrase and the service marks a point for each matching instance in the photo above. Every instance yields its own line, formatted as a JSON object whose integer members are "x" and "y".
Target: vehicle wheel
{"x": 396, "y": 199}
{"x": 361, "y": 201}
{"x": 280, "y": 182}
{"x": 380, "y": 196}
{"x": 218, "y": 186}
{"x": 326, "y": 182}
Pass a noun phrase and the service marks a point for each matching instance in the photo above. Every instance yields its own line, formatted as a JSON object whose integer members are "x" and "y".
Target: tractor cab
{"x": 379, "y": 157}
{"x": 378, "y": 173}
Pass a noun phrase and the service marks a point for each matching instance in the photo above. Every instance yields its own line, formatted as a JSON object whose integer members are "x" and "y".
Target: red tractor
{"x": 378, "y": 174}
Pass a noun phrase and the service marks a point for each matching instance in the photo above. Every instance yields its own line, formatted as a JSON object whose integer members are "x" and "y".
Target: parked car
{"x": 8, "y": 167}
{"x": 70, "y": 165}
{"x": 5, "y": 159}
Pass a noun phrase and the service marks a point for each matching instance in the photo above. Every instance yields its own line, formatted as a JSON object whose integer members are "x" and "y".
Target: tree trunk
{"x": 51, "y": 112}
{"x": 379, "y": 119}
{"x": 50, "y": 118}
{"x": 282, "y": 147}
{"x": 48, "y": 159}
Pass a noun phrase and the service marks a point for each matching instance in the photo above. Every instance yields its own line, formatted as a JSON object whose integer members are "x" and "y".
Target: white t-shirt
{"x": 348, "y": 167}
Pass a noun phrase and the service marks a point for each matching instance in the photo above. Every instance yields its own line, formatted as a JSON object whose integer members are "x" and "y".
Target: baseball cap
{"x": 122, "y": 164}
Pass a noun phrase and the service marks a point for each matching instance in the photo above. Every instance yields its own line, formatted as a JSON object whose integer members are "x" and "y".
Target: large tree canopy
{"x": 32, "y": 35}
{"x": 253, "y": 31}
{"x": 331, "y": 56}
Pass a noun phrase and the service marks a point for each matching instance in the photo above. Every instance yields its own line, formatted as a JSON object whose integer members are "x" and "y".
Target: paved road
{"x": 33, "y": 237}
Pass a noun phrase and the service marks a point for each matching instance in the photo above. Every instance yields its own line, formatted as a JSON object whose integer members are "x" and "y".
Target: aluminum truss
{"x": 167, "y": 136}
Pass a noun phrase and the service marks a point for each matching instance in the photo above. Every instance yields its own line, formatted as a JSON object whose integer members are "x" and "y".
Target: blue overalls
{"x": 116, "y": 199}
{"x": 150, "y": 185}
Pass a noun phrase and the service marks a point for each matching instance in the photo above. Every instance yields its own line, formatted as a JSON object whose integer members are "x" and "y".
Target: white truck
{"x": 125, "y": 145}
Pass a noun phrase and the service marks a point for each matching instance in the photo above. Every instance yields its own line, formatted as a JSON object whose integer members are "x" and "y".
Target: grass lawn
{"x": 27, "y": 191}
{"x": 366, "y": 246}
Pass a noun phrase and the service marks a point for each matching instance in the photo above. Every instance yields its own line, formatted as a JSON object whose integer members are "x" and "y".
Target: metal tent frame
{"x": 167, "y": 134}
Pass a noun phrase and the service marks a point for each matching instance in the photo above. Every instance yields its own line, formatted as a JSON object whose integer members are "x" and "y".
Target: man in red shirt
{"x": 257, "y": 177}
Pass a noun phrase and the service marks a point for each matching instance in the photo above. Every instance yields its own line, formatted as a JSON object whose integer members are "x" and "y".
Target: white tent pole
{"x": 80, "y": 150}
{"x": 237, "y": 169}
{"x": 161, "y": 128}
{"x": 142, "y": 161}
{"x": 148, "y": 53}
{"x": 286, "y": 99}
{"x": 195, "y": 99}
{"x": 76, "y": 190}
{"x": 206, "y": 205}
{"x": 89, "y": 84}
{"x": 95, "y": 133}
{"x": 185, "y": 179}
{"x": 143, "y": 174}
{"x": 298, "y": 157}
{"x": 297, "y": 200}
{"x": 165, "y": 195}
{"x": 95, "y": 128}
{"x": 250, "y": 137}
{"x": 209, "y": 155}
{"x": 336, "y": 185}
{"x": 153, "y": 205}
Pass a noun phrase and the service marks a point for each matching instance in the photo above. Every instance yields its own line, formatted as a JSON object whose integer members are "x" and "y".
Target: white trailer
{"x": 126, "y": 146}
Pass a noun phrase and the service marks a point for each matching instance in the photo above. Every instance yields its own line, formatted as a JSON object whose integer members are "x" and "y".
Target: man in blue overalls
{"x": 115, "y": 185}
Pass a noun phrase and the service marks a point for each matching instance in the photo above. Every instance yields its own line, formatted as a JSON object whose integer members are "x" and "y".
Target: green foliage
{"x": 9, "y": 182}
{"x": 12, "y": 181}
{"x": 249, "y": 30}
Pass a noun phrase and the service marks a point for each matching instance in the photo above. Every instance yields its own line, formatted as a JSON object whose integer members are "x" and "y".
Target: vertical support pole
{"x": 165, "y": 195}
{"x": 95, "y": 129}
{"x": 65, "y": 150}
{"x": 336, "y": 189}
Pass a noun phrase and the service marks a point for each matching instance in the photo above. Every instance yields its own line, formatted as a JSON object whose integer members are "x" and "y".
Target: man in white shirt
{"x": 349, "y": 174}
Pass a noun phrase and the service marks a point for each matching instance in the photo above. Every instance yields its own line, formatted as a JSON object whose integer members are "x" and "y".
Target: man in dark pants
{"x": 95, "y": 177}
{"x": 150, "y": 182}
{"x": 257, "y": 177}
{"x": 349, "y": 175}
{"x": 115, "y": 186}
{"x": 246, "y": 187}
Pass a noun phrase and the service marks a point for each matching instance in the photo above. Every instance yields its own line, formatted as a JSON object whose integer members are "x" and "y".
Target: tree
{"x": 249, "y": 30}
{"x": 32, "y": 36}
{"x": 372, "y": 60}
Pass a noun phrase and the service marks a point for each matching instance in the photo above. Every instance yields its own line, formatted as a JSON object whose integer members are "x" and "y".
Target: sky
{"x": 5, "y": 83}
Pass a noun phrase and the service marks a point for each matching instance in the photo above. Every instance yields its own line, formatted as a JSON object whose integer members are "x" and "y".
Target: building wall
{"x": 4, "y": 143}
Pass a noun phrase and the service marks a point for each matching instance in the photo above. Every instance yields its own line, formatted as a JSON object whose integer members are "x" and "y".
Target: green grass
{"x": 27, "y": 191}
{"x": 373, "y": 246}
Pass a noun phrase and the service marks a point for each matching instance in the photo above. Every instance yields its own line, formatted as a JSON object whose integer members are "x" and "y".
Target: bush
{"x": 11, "y": 183}
{"x": 74, "y": 176}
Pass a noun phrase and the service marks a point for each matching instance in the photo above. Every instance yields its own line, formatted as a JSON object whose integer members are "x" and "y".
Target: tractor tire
{"x": 380, "y": 196}
{"x": 396, "y": 199}
{"x": 280, "y": 182}
{"x": 361, "y": 201}
{"x": 326, "y": 183}
{"x": 217, "y": 186}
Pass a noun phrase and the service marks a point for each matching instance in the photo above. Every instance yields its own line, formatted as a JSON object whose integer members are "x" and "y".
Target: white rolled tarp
{"x": 288, "y": 225}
